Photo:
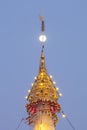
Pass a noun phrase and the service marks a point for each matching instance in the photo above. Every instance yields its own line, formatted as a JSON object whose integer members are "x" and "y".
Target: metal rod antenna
{"x": 43, "y": 8}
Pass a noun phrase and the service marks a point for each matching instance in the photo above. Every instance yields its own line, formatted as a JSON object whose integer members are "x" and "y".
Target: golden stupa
{"x": 43, "y": 87}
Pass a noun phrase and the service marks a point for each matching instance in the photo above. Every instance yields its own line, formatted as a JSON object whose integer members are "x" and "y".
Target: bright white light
{"x": 60, "y": 94}
{"x": 57, "y": 89}
{"x": 26, "y": 97}
{"x": 54, "y": 82}
{"x": 32, "y": 84}
{"x": 42, "y": 38}
{"x": 35, "y": 78}
{"x": 29, "y": 91}
{"x": 63, "y": 115}
{"x": 51, "y": 76}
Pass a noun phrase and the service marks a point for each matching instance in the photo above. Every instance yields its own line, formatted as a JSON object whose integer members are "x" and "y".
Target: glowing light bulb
{"x": 29, "y": 91}
{"x": 51, "y": 76}
{"x": 41, "y": 84}
{"x": 42, "y": 38}
{"x": 26, "y": 97}
{"x": 32, "y": 84}
{"x": 35, "y": 78}
{"x": 63, "y": 115}
{"x": 57, "y": 89}
{"x": 54, "y": 82}
{"x": 60, "y": 94}
{"x": 42, "y": 74}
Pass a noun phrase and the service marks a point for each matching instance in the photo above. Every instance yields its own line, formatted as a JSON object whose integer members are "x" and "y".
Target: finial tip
{"x": 42, "y": 18}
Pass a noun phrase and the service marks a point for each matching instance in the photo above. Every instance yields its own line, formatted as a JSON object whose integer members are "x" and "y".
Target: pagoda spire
{"x": 43, "y": 96}
{"x": 43, "y": 106}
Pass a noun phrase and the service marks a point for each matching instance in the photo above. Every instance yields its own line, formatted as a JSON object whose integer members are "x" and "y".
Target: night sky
{"x": 65, "y": 52}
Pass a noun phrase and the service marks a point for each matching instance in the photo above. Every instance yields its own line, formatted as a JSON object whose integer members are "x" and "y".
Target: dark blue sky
{"x": 65, "y": 52}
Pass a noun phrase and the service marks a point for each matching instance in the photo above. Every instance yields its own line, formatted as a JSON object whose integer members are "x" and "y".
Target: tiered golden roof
{"x": 43, "y": 87}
